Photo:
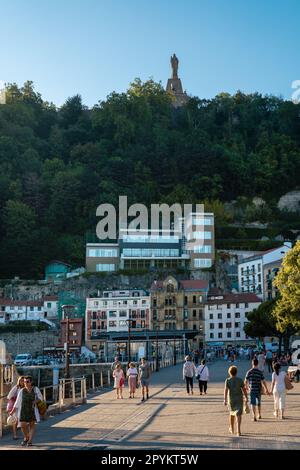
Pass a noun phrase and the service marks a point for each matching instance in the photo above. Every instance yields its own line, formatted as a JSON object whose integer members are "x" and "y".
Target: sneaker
{"x": 24, "y": 442}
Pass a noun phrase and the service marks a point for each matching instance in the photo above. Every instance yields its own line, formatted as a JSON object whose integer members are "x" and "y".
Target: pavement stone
{"x": 169, "y": 420}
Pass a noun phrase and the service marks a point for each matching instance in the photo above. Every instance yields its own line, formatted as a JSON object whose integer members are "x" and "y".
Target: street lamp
{"x": 129, "y": 322}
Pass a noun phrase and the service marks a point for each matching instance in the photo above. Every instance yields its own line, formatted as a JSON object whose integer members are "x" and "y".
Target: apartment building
{"x": 252, "y": 270}
{"x": 116, "y": 311}
{"x": 179, "y": 305}
{"x": 190, "y": 246}
{"x": 225, "y": 317}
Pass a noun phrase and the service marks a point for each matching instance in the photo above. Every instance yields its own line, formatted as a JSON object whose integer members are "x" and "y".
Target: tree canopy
{"x": 58, "y": 165}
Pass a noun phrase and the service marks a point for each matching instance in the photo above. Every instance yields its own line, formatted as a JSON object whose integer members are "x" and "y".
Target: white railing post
{"x": 108, "y": 377}
{"x": 101, "y": 378}
{"x": 84, "y": 390}
{"x": 93, "y": 381}
{"x": 73, "y": 391}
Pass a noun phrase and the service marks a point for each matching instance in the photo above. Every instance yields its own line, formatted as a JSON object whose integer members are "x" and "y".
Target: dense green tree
{"x": 62, "y": 163}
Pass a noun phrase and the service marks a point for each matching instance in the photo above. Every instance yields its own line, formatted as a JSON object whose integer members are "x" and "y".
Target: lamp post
{"x": 129, "y": 321}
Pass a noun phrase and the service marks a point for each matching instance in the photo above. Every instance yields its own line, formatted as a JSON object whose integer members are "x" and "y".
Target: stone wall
{"x": 31, "y": 343}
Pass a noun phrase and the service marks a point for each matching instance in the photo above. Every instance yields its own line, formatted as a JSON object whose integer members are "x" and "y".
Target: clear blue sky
{"x": 93, "y": 47}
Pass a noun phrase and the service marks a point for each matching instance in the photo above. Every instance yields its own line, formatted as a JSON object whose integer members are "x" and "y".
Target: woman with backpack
{"x": 202, "y": 373}
{"x": 27, "y": 410}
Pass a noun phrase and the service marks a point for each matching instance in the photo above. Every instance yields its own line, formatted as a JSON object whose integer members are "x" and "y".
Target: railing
{"x": 69, "y": 391}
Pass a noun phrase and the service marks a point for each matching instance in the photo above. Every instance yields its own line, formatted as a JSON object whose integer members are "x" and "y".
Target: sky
{"x": 94, "y": 47}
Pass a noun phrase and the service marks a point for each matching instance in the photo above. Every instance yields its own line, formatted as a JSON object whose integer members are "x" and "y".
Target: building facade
{"x": 191, "y": 246}
{"x": 251, "y": 271}
{"x": 120, "y": 311}
{"x": 18, "y": 310}
{"x": 225, "y": 318}
{"x": 179, "y": 305}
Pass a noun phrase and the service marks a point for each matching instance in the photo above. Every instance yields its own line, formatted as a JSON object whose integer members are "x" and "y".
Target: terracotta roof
{"x": 194, "y": 284}
{"x": 21, "y": 303}
{"x": 234, "y": 298}
{"x": 51, "y": 297}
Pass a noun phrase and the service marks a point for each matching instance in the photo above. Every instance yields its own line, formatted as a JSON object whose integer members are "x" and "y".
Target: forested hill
{"x": 58, "y": 165}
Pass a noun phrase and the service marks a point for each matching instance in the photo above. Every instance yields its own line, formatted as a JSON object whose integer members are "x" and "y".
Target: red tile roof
{"x": 21, "y": 303}
{"x": 194, "y": 284}
{"x": 51, "y": 297}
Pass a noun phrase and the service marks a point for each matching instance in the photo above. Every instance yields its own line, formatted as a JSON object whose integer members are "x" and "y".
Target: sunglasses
{"x": 27, "y": 381}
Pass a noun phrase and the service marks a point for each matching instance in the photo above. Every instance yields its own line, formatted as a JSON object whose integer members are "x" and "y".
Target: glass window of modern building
{"x": 105, "y": 267}
{"x": 202, "y": 249}
{"x": 103, "y": 252}
{"x": 150, "y": 252}
{"x": 202, "y": 263}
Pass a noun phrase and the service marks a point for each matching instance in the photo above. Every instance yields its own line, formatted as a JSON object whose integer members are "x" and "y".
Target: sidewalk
{"x": 168, "y": 420}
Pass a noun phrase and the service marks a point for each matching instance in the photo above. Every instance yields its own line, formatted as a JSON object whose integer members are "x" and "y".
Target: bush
{"x": 23, "y": 326}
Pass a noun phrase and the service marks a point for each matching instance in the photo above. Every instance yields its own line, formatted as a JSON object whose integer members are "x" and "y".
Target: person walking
{"x": 118, "y": 375}
{"x": 202, "y": 373}
{"x": 261, "y": 361}
{"x": 279, "y": 390}
{"x": 132, "y": 375}
{"x": 115, "y": 363}
{"x": 254, "y": 381}
{"x": 189, "y": 370}
{"x": 27, "y": 410}
{"x": 144, "y": 377}
{"x": 269, "y": 360}
{"x": 236, "y": 390}
{"x": 12, "y": 397}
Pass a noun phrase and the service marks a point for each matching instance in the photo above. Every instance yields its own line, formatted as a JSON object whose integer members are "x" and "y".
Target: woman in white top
{"x": 132, "y": 374}
{"x": 203, "y": 377}
{"x": 278, "y": 390}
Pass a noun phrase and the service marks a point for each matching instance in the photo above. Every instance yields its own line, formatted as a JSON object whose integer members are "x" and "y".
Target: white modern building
{"x": 251, "y": 270}
{"x": 225, "y": 317}
{"x": 191, "y": 245}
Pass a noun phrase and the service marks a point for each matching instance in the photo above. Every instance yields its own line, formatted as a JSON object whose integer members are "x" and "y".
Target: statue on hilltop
{"x": 174, "y": 64}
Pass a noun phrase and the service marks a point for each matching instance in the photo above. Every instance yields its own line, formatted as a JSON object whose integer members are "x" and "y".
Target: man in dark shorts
{"x": 144, "y": 377}
{"x": 254, "y": 380}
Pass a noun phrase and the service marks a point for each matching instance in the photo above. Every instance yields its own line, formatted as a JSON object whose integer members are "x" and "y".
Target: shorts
{"x": 255, "y": 398}
{"x": 145, "y": 382}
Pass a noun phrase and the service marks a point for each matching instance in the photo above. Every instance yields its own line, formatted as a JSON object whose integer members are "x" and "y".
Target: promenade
{"x": 170, "y": 419}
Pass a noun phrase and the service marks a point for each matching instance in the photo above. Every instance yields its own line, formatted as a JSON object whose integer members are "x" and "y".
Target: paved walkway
{"x": 168, "y": 420}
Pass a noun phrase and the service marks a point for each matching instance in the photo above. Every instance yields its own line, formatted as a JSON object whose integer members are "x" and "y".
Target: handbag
{"x": 122, "y": 382}
{"x": 10, "y": 404}
{"x": 42, "y": 407}
{"x": 288, "y": 384}
{"x": 11, "y": 420}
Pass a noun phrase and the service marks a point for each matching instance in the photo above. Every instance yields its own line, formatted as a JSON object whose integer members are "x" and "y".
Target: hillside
{"x": 58, "y": 165}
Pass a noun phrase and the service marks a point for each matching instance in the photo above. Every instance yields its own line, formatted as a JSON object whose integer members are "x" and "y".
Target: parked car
{"x": 23, "y": 360}
{"x": 41, "y": 361}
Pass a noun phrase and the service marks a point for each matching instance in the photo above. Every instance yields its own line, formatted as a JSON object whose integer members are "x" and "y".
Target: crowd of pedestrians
{"x": 239, "y": 392}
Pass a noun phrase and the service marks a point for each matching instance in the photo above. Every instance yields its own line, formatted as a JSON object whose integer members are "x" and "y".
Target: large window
{"x": 150, "y": 252}
{"x": 149, "y": 239}
{"x": 202, "y": 249}
{"x": 103, "y": 252}
{"x": 105, "y": 267}
{"x": 200, "y": 235}
{"x": 202, "y": 263}
{"x": 202, "y": 221}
